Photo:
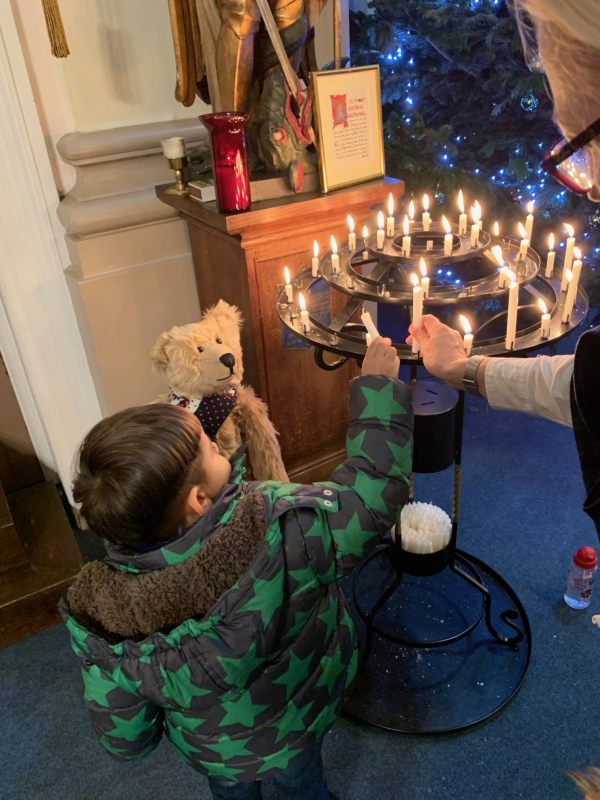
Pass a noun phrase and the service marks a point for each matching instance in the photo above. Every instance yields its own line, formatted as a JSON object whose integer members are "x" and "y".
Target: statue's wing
{"x": 195, "y": 26}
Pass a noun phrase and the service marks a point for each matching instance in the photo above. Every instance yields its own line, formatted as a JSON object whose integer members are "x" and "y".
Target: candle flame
{"x": 390, "y": 206}
{"x": 425, "y": 202}
{"x": 411, "y": 210}
{"x": 475, "y": 214}
{"x": 333, "y": 245}
{"x": 365, "y": 231}
{"x": 522, "y": 231}
{"x": 530, "y": 207}
{"x": 350, "y": 222}
{"x": 542, "y": 305}
{"x": 577, "y": 253}
{"x": 496, "y": 228}
{"x": 461, "y": 202}
{"x": 380, "y": 221}
{"x": 465, "y": 323}
{"x": 477, "y": 205}
{"x": 497, "y": 253}
{"x": 511, "y": 276}
{"x": 406, "y": 226}
{"x": 315, "y": 249}
{"x": 423, "y": 267}
{"x": 286, "y": 275}
{"x": 446, "y": 224}
{"x": 569, "y": 275}
{"x": 551, "y": 242}
{"x": 301, "y": 302}
{"x": 414, "y": 280}
{"x": 569, "y": 229}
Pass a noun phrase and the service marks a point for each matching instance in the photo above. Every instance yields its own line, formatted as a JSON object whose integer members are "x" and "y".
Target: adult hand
{"x": 441, "y": 348}
{"x": 381, "y": 359}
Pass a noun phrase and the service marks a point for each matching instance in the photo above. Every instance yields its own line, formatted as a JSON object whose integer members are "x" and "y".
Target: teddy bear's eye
{"x": 200, "y": 349}
{"x": 219, "y": 341}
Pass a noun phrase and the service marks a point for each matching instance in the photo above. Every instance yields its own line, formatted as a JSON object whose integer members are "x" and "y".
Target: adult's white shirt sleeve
{"x": 538, "y": 386}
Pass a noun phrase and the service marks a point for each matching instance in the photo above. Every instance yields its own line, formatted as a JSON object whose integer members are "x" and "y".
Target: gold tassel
{"x": 56, "y": 31}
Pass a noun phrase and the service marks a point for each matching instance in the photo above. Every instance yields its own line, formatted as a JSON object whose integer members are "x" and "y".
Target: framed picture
{"x": 347, "y": 104}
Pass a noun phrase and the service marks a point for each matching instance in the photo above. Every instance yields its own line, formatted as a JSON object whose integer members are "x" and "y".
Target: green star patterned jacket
{"x": 233, "y": 639}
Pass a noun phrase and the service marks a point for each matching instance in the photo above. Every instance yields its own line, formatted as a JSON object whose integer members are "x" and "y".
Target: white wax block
{"x": 173, "y": 147}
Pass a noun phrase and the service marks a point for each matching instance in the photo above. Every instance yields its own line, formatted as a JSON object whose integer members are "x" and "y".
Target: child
{"x": 216, "y": 616}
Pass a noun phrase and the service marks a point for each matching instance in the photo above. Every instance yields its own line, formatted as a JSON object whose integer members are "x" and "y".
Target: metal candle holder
{"x": 178, "y": 165}
{"x": 482, "y": 639}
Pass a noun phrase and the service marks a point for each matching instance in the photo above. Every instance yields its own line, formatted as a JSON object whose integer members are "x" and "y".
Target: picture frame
{"x": 347, "y": 110}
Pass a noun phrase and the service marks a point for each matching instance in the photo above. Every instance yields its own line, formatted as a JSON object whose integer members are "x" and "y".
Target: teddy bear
{"x": 202, "y": 364}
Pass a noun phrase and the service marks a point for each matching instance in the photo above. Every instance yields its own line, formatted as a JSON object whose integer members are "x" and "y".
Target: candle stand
{"x": 445, "y": 641}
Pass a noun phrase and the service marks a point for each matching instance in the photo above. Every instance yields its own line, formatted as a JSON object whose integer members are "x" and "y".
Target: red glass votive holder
{"x": 229, "y": 159}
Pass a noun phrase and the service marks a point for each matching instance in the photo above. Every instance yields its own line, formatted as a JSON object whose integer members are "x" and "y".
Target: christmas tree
{"x": 461, "y": 109}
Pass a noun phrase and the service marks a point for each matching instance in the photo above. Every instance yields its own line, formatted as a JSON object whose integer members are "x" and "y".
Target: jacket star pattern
{"x": 246, "y": 679}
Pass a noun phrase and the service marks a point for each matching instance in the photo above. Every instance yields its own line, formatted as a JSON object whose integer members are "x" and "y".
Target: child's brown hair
{"x": 135, "y": 469}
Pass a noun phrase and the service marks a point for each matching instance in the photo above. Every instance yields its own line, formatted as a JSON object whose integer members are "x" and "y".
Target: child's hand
{"x": 381, "y": 359}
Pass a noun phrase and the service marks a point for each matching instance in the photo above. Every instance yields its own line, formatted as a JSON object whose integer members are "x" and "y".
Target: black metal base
{"x": 442, "y": 652}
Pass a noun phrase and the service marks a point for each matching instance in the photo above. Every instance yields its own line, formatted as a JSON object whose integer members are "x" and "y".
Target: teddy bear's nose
{"x": 228, "y": 359}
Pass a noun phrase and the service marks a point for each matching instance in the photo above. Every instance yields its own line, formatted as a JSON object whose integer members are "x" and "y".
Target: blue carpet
{"x": 520, "y": 513}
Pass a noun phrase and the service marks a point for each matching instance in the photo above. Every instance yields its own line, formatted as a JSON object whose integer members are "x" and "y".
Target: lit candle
{"x": 475, "y": 214}
{"x": 496, "y": 229}
{"x": 304, "y": 320}
{"x": 529, "y": 220}
{"x": 406, "y": 238}
{"x": 315, "y": 259}
{"x": 351, "y": 234}
{"x": 390, "y": 222}
{"x": 480, "y": 214}
{"x": 513, "y": 304}
{"x": 448, "y": 237}
{"x": 499, "y": 259}
{"x": 545, "y": 326}
{"x": 462, "y": 220}
{"x": 173, "y": 147}
{"x": 335, "y": 259}
{"x": 411, "y": 211}
{"x": 522, "y": 254}
{"x": 573, "y": 283}
{"x": 380, "y": 231}
{"x": 429, "y": 244}
{"x": 551, "y": 257}
{"x": 365, "y": 235}
{"x": 289, "y": 289}
{"x": 425, "y": 218}
{"x": 568, "y": 255}
{"x": 468, "y": 337}
{"x": 372, "y": 332}
{"x": 424, "y": 278}
{"x": 417, "y": 308}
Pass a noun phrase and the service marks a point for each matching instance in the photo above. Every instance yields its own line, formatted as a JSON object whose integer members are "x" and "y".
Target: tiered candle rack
{"x": 392, "y": 691}
{"x": 384, "y": 278}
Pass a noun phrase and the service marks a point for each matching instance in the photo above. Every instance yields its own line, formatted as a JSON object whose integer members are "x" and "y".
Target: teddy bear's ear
{"x": 228, "y": 314}
{"x": 158, "y": 354}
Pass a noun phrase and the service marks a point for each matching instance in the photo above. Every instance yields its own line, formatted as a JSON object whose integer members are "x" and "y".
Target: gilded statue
{"x": 224, "y": 53}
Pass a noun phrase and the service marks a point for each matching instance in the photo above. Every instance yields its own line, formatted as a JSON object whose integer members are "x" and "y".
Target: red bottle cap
{"x": 585, "y": 558}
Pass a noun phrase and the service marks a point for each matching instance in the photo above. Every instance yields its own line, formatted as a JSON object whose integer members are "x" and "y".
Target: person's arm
{"x": 127, "y": 725}
{"x": 368, "y": 489}
{"x": 537, "y": 386}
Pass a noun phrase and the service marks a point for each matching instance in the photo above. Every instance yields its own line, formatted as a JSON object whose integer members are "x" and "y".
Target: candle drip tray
{"x": 439, "y": 652}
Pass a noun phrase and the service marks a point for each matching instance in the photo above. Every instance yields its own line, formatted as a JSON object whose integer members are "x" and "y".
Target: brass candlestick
{"x": 177, "y": 165}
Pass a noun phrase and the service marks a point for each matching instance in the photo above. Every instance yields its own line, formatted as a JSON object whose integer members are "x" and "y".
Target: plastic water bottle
{"x": 580, "y": 578}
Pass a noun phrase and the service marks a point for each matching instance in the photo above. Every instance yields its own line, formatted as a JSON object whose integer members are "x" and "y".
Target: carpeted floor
{"x": 521, "y": 514}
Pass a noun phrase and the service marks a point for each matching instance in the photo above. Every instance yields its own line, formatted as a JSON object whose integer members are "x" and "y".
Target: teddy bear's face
{"x": 203, "y": 358}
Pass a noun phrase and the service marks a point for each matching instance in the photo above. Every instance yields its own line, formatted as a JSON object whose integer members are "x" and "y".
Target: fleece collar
{"x": 187, "y": 544}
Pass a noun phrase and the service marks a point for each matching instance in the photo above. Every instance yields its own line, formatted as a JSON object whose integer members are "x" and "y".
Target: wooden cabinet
{"x": 240, "y": 258}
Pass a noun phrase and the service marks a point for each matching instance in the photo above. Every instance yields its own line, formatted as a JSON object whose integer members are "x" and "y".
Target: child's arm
{"x": 127, "y": 725}
{"x": 370, "y": 487}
